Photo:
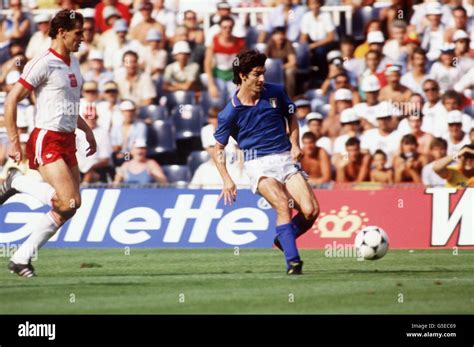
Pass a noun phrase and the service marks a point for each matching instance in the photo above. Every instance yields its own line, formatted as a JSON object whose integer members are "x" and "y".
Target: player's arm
{"x": 81, "y": 124}
{"x": 229, "y": 191}
{"x": 18, "y": 93}
{"x": 296, "y": 153}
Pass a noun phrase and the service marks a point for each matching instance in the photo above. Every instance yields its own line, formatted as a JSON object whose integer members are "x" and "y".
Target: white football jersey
{"x": 57, "y": 83}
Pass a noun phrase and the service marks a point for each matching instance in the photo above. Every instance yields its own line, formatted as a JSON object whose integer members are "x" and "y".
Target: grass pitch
{"x": 152, "y": 281}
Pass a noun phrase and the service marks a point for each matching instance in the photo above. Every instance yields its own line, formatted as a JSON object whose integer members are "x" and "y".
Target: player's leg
{"x": 277, "y": 196}
{"x": 305, "y": 202}
{"x": 64, "y": 205}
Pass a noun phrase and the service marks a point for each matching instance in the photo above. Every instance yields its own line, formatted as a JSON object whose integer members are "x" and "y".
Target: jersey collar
{"x": 66, "y": 60}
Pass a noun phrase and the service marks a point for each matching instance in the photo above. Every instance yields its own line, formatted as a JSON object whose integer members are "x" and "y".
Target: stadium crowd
{"x": 392, "y": 103}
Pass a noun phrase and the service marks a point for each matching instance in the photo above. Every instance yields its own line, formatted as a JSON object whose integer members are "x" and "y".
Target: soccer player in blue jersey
{"x": 257, "y": 117}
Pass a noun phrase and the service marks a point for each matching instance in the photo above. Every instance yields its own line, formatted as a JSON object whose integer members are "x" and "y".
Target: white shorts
{"x": 279, "y": 166}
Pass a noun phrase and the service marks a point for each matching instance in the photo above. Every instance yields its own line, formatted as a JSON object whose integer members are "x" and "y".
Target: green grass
{"x": 217, "y": 281}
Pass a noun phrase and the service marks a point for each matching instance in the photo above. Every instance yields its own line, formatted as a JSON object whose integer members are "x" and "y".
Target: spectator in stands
{"x": 459, "y": 175}
{"x": 394, "y": 91}
{"x": 124, "y": 136}
{"x": 433, "y": 105}
{"x": 393, "y": 48}
{"x": 315, "y": 161}
{"x": 91, "y": 42}
{"x": 223, "y": 10}
{"x": 433, "y": 35}
{"x": 93, "y": 168}
{"x": 351, "y": 127}
{"x": 100, "y": 18}
{"x": 303, "y": 108}
{"x": 281, "y": 48}
{"x": 97, "y": 72}
{"x": 87, "y": 106}
{"x": 424, "y": 139}
{"x": 446, "y": 70}
{"x": 408, "y": 164}
{"x": 140, "y": 31}
{"x": 342, "y": 100}
{"x": 351, "y": 63}
{"x": 376, "y": 41}
{"x": 410, "y": 43}
{"x": 108, "y": 110}
{"x": 383, "y": 137}
{"x": 11, "y": 68}
{"x": 287, "y": 15}
{"x": 362, "y": 49}
{"x": 338, "y": 77}
{"x": 154, "y": 57}
{"x": 16, "y": 26}
{"x": 40, "y": 41}
{"x": 314, "y": 124}
{"x": 182, "y": 74}
{"x": 451, "y": 101}
{"x": 319, "y": 32}
{"x": 220, "y": 56}
{"x": 140, "y": 170}
{"x": 379, "y": 172}
{"x": 456, "y": 137}
{"x": 414, "y": 79}
{"x": 461, "y": 52}
{"x": 133, "y": 83}
{"x": 161, "y": 14}
{"x": 367, "y": 111}
{"x": 195, "y": 33}
{"x": 108, "y": 37}
{"x": 460, "y": 21}
{"x": 356, "y": 166}
{"x": 438, "y": 150}
{"x": 372, "y": 62}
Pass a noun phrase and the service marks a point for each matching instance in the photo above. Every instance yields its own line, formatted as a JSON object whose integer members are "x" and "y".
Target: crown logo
{"x": 340, "y": 225}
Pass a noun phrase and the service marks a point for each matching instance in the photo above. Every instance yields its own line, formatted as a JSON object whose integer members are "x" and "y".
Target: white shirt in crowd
{"x": 207, "y": 176}
{"x": 317, "y": 27}
{"x": 445, "y": 76}
{"x": 431, "y": 178}
{"x": 109, "y": 115}
{"x": 372, "y": 140}
{"x": 38, "y": 43}
{"x": 409, "y": 81}
{"x": 455, "y": 148}
{"x": 104, "y": 148}
{"x": 368, "y": 112}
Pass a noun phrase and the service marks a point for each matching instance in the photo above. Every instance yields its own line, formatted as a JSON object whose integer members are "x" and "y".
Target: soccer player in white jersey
{"x": 55, "y": 79}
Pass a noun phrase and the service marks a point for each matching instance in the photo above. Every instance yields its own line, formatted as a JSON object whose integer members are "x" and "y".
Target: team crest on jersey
{"x": 73, "y": 80}
{"x": 273, "y": 102}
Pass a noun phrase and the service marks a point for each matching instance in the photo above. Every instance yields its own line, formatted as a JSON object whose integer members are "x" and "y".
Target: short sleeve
{"x": 34, "y": 74}
{"x": 224, "y": 127}
{"x": 328, "y": 24}
{"x": 304, "y": 29}
{"x": 288, "y": 108}
{"x": 192, "y": 72}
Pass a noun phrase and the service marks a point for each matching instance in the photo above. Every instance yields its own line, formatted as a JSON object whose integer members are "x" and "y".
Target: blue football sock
{"x": 285, "y": 234}
{"x": 301, "y": 225}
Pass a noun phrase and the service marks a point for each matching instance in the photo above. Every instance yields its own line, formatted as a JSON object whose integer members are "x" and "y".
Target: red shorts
{"x": 47, "y": 146}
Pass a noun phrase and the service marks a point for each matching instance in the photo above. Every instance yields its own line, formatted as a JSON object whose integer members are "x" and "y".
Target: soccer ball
{"x": 371, "y": 243}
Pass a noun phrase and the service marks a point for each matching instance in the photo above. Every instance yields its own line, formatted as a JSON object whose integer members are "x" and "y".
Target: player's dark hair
{"x": 227, "y": 19}
{"x": 65, "y": 19}
{"x": 130, "y": 53}
{"x": 352, "y": 141}
{"x": 309, "y": 135}
{"x": 409, "y": 139}
{"x": 382, "y": 153}
{"x": 245, "y": 62}
{"x": 452, "y": 94}
{"x": 439, "y": 142}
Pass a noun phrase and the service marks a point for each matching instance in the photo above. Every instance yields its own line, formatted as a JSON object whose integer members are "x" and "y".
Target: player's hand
{"x": 296, "y": 153}
{"x": 15, "y": 152}
{"x": 92, "y": 144}
{"x": 229, "y": 192}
